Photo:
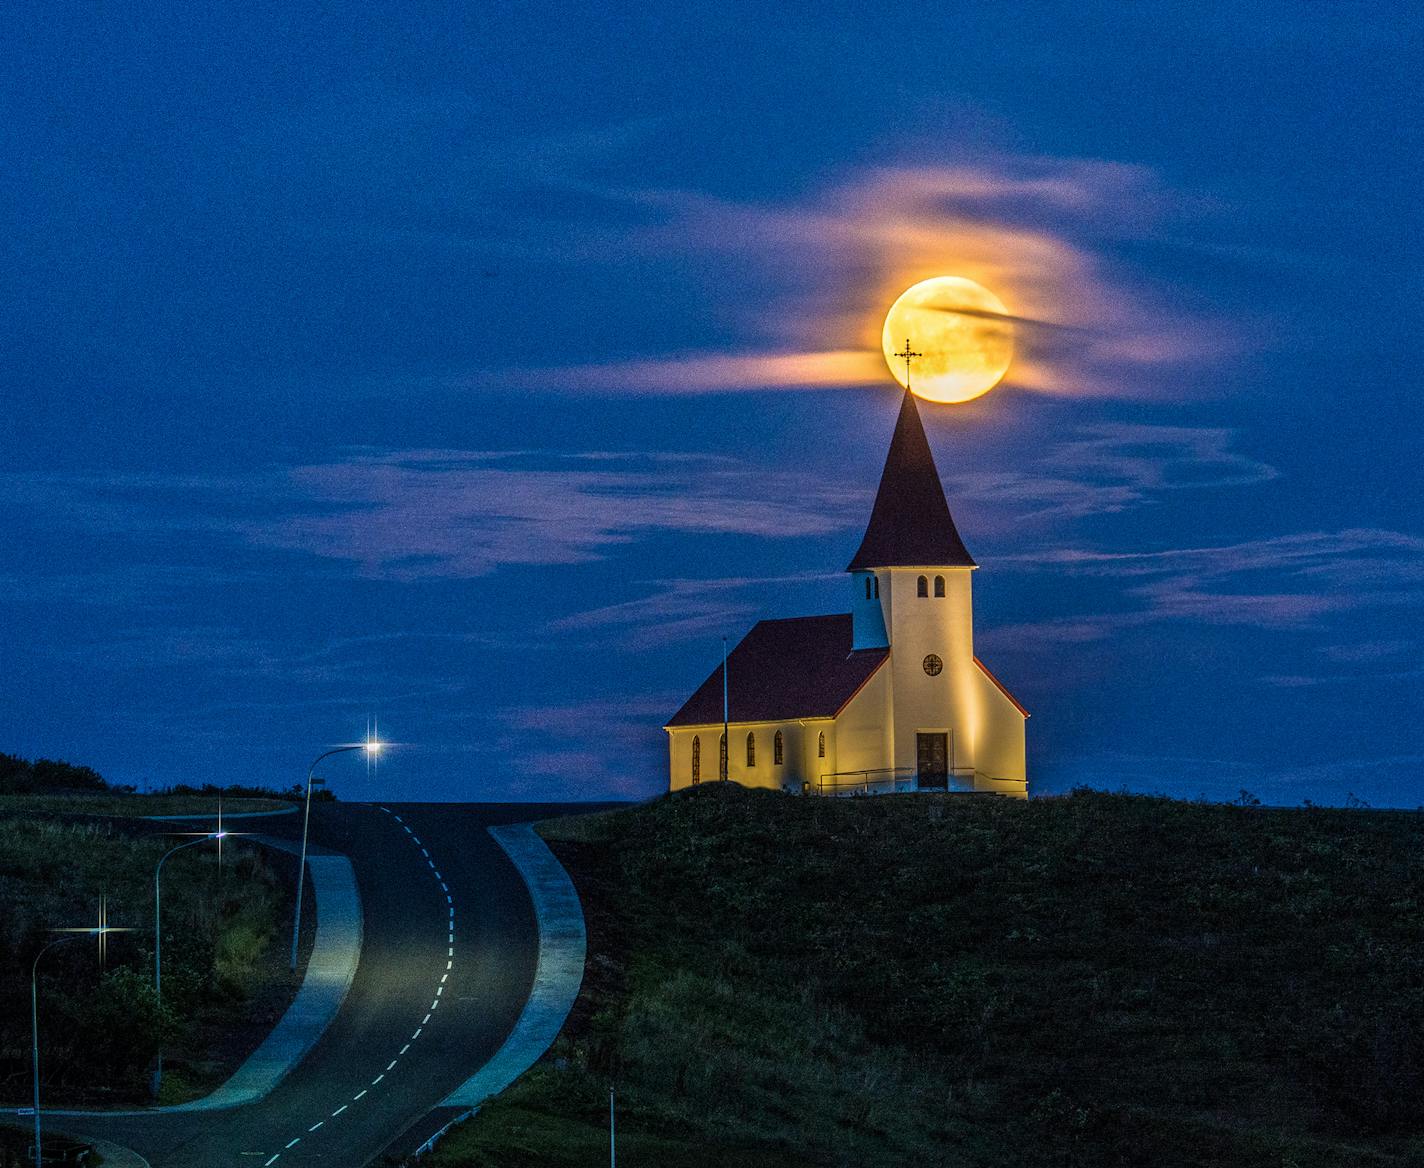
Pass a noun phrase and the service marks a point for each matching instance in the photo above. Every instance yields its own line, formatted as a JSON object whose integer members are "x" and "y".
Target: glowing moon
{"x": 962, "y": 331}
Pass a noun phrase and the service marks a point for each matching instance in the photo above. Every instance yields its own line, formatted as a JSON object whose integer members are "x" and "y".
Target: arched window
{"x": 922, "y": 587}
{"x": 821, "y": 745}
{"x": 696, "y": 759}
{"x": 867, "y": 588}
{"x": 939, "y": 585}
{"x": 778, "y": 750}
{"x": 722, "y": 758}
{"x": 877, "y": 587}
{"x": 751, "y": 749}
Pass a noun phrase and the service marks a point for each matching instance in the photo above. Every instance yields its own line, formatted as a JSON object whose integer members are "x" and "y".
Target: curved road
{"x": 447, "y": 960}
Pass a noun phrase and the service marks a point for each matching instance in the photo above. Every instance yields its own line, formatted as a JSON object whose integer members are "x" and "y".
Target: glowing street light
{"x": 101, "y": 931}
{"x": 203, "y": 838}
{"x": 372, "y": 747}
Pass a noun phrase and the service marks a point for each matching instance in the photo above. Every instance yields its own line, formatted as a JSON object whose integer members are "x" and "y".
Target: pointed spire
{"x": 910, "y": 524}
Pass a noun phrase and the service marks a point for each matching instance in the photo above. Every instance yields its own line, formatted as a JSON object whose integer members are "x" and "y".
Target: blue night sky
{"x": 477, "y": 366}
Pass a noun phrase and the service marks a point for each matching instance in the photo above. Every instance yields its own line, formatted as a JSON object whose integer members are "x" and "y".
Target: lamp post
{"x": 158, "y": 936}
{"x": 371, "y": 747}
{"x": 70, "y": 934}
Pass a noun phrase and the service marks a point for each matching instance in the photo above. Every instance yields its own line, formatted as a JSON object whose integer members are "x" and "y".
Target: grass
{"x": 1096, "y": 980}
{"x": 134, "y": 806}
{"x": 223, "y": 974}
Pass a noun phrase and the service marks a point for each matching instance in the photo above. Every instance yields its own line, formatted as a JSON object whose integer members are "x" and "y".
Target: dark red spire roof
{"x": 910, "y": 525}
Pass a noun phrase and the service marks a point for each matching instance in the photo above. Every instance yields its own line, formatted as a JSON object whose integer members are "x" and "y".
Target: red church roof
{"x": 802, "y": 667}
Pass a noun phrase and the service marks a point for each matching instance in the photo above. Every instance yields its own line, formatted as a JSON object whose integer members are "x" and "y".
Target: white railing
{"x": 892, "y": 781}
{"x": 876, "y": 781}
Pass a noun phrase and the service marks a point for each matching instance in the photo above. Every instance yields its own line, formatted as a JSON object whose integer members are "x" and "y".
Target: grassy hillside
{"x": 1096, "y": 980}
{"x": 224, "y": 978}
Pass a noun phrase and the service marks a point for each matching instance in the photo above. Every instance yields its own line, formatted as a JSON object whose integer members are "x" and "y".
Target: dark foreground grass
{"x": 1097, "y": 980}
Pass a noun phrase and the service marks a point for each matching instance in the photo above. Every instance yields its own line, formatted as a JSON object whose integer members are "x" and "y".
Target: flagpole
{"x": 726, "y": 718}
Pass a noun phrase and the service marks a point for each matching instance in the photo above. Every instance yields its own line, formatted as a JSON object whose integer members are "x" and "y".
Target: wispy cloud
{"x": 1113, "y": 467}
{"x": 1283, "y": 582}
{"x": 611, "y": 745}
{"x": 1032, "y": 229}
{"x": 429, "y": 514}
{"x": 425, "y": 513}
{"x": 682, "y": 610}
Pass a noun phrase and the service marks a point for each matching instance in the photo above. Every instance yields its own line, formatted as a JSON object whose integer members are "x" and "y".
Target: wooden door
{"x": 932, "y": 756}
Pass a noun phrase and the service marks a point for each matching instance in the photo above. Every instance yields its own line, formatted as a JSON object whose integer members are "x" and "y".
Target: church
{"x": 887, "y": 697}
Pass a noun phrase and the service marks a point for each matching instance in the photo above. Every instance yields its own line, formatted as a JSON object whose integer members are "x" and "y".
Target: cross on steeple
{"x": 909, "y": 355}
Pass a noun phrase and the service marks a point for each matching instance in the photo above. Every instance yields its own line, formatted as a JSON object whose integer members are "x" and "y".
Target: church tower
{"x": 912, "y": 592}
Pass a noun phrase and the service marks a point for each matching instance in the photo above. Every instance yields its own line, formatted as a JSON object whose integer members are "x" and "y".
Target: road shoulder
{"x": 563, "y": 944}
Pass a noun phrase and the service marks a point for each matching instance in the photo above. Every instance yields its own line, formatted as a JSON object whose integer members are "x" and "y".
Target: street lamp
{"x": 372, "y": 748}
{"x": 158, "y": 937}
{"x": 101, "y": 931}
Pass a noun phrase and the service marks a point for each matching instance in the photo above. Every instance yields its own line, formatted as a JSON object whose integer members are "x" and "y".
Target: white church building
{"x": 886, "y": 697}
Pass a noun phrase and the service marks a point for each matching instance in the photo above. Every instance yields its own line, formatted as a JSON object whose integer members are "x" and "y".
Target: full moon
{"x": 962, "y": 332}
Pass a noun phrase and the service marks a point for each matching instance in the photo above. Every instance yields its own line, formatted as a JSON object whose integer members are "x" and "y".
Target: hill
{"x": 1094, "y": 980}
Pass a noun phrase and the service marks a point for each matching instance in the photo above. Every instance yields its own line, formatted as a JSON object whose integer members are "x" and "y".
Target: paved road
{"x": 446, "y": 964}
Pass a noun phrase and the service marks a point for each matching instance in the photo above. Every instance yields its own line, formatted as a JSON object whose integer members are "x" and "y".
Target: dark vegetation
{"x": 1094, "y": 980}
{"x": 47, "y": 776}
{"x": 224, "y": 977}
{"x": 19, "y": 776}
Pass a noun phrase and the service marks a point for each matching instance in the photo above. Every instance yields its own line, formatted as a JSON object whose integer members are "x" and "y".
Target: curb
{"x": 558, "y": 974}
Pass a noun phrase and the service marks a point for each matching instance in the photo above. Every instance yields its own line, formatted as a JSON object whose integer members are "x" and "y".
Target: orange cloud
{"x": 1038, "y": 232}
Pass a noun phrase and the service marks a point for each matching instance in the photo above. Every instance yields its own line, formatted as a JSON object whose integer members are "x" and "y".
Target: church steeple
{"x": 910, "y": 524}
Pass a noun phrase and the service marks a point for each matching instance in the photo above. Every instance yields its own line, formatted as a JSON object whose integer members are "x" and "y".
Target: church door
{"x": 933, "y": 758}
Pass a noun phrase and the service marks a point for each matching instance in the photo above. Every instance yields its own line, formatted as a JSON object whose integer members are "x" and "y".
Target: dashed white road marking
{"x": 272, "y": 1161}
{"x": 439, "y": 989}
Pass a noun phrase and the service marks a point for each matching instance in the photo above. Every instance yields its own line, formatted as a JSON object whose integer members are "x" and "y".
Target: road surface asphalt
{"x": 447, "y": 960}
